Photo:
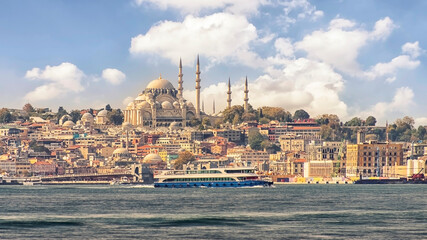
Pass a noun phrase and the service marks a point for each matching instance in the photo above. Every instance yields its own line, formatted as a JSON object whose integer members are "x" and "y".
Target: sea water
{"x": 281, "y": 212}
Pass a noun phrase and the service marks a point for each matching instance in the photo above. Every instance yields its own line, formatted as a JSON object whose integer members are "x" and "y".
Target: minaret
{"x": 229, "y": 94}
{"x": 203, "y": 105}
{"x": 246, "y": 99}
{"x": 180, "y": 88}
{"x": 198, "y": 89}
{"x": 213, "y": 106}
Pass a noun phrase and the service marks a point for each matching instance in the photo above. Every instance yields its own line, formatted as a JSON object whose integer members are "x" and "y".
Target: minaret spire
{"x": 213, "y": 106}
{"x": 229, "y": 94}
{"x": 180, "y": 88}
{"x": 246, "y": 99}
{"x": 203, "y": 105}
{"x": 198, "y": 88}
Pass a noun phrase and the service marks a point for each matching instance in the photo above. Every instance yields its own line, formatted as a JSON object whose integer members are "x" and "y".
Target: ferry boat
{"x": 214, "y": 177}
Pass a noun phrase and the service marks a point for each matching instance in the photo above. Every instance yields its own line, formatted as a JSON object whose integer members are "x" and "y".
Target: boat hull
{"x": 223, "y": 184}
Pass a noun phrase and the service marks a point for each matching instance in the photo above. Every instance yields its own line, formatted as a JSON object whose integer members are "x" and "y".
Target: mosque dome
{"x": 144, "y": 104}
{"x": 174, "y": 125}
{"x": 131, "y": 105}
{"x": 87, "y": 117}
{"x": 68, "y": 124}
{"x": 120, "y": 152}
{"x": 102, "y": 113}
{"x": 160, "y": 83}
{"x": 152, "y": 158}
{"x": 166, "y": 105}
{"x": 140, "y": 97}
{"x": 176, "y": 104}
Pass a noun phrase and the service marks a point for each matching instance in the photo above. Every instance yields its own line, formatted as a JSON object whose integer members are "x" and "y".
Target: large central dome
{"x": 160, "y": 83}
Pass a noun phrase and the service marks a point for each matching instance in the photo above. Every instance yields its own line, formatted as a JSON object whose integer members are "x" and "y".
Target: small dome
{"x": 87, "y": 117}
{"x": 166, "y": 105}
{"x": 68, "y": 124}
{"x": 140, "y": 97}
{"x": 174, "y": 125}
{"x": 131, "y": 105}
{"x": 144, "y": 104}
{"x": 120, "y": 151}
{"x": 176, "y": 104}
{"x": 152, "y": 158}
{"x": 102, "y": 113}
{"x": 160, "y": 83}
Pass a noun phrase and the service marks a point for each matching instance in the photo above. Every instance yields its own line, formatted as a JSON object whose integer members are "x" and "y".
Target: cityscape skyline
{"x": 346, "y": 58}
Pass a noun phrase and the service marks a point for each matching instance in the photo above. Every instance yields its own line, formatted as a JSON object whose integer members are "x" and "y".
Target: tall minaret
{"x": 246, "y": 99}
{"x": 203, "y": 106}
{"x": 229, "y": 94}
{"x": 213, "y": 106}
{"x": 180, "y": 88}
{"x": 198, "y": 88}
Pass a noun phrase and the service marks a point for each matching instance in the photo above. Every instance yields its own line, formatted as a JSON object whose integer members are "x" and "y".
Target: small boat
{"x": 209, "y": 178}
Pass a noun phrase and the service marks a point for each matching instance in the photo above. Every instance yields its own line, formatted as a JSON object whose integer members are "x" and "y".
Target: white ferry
{"x": 214, "y": 177}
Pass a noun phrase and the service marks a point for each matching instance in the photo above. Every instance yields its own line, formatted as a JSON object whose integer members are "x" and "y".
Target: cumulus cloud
{"x": 383, "y": 28}
{"x": 218, "y": 37}
{"x": 304, "y": 83}
{"x": 284, "y": 47}
{"x": 195, "y": 7}
{"x": 300, "y": 9}
{"x": 113, "y": 76}
{"x": 57, "y": 81}
{"x": 390, "y": 68}
{"x": 403, "y": 98}
{"x": 412, "y": 49}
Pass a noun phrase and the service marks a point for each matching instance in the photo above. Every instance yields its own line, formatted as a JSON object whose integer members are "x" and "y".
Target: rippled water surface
{"x": 281, "y": 212}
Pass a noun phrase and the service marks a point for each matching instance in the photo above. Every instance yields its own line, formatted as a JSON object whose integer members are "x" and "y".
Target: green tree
{"x": 5, "y": 116}
{"x": 184, "y": 158}
{"x": 264, "y": 120}
{"x": 326, "y": 132}
{"x": 356, "y": 121}
{"x": 115, "y": 117}
{"x": 301, "y": 114}
{"x": 28, "y": 108}
{"x": 206, "y": 122}
{"x": 370, "y": 121}
{"x": 255, "y": 139}
{"x": 421, "y": 132}
{"x": 194, "y": 122}
{"x": 75, "y": 115}
{"x": 249, "y": 117}
{"x": 108, "y": 108}
{"x": 61, "y": 112}
{"x": 236, "y": 119}
{"x": 230, "y": 114}
{"x": 276, "y": 113}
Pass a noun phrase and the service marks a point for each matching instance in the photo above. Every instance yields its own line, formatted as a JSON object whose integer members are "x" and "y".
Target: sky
{"x": 350, "y": 58}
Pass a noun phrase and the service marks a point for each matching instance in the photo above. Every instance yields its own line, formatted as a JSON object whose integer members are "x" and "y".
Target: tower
{"x": 180, "y": 88}
{"x": 229, "y": 94}
{"x": 213, "y": 106}
{"x": 246, "y": 99}
{"x": 203, "y": 106}
{"x": 198, "y": 88}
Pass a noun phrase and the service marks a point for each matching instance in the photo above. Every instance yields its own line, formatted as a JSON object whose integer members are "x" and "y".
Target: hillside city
{"x": 282, "y": 146}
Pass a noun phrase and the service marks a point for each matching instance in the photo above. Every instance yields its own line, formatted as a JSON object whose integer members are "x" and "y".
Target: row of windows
{"x": 198, "y": 179}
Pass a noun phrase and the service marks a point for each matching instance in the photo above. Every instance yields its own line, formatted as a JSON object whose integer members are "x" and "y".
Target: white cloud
{"x": 113, "y": 76}
{"x": 421, "y": 121}
{"x": 304, "y": 83}
{"x": 303, "y": 10}
{"x": 58, "y": 81}
{"x": 218, "y": 37}
{"x": 402, "y": 99}
{"x": 390, "y": 68}
{"x": 412, "y": 49}
{"x": 336, "y": 46}
{"x": 195, "y": 7}
{"x": 284, "y": 47}
{"x": 383, "y": 28}
{"x": 391, "y": 79}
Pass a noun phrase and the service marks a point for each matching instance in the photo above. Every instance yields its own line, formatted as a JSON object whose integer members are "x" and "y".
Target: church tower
{"x": 180, "y": 88}
{"x": 198, "y": 88}
{"x": 246, "y": 99}
{"x": 229, "y": 94}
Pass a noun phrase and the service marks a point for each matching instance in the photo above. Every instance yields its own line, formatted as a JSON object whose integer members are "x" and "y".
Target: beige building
{"x": 292, "y": 143}
{"x": 364, "y": 158}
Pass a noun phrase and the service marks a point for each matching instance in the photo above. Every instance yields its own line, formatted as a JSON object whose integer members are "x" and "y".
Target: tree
{"x": 108, "y": 108}
{"x": 421, "y": 132}
{"x": 195, "y": 122}
{"x": 230, "y": 114}
{"x": 326, "y": 132}
{"x": 5, "y": 116}
{"x": 183, "y": 158}
{"x": 75, "y": 115}
{"x": 236, "y": 119}
{"x": 264, "y": 120}
{"x": 61, "y": 112}
{"x": 356, "y": 121}
{"x": 276, "y": 113}
{"x": 370, "y": 121}
{"x": 115, "y": 117}
{"x": 301, "y": 114}
{"x": 248, "y": 117}
{"x": 255, "y": 139}
{"x": 28, "y": 108}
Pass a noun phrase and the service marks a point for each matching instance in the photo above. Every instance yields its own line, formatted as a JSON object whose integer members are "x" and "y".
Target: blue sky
{"x": 351, "y": 58}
